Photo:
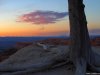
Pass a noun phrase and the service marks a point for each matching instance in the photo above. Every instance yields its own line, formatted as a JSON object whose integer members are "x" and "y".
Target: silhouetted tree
{"x": 81, "y": 52}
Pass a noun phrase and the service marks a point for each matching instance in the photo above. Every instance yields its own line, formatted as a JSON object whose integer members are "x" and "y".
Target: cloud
{"x": 42, "y": 17}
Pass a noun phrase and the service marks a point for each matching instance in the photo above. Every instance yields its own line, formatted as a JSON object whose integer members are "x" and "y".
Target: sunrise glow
{"x": 39, "y": 18}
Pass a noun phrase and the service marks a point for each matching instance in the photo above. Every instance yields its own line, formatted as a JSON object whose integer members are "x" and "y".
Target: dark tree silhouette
{"x": 81, "y": 52}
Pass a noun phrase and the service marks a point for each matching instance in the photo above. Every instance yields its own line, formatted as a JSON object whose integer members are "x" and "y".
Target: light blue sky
{"x": 53, "y": 5}
{"x": 93, "y": 9}
{"x": 15, "y": 6}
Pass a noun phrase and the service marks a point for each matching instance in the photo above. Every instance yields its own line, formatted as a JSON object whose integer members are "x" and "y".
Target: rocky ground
{"x": 25, "y": 55}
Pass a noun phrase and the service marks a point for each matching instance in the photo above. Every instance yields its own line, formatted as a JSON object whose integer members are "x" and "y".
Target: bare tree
{"x": 81, "y": 52}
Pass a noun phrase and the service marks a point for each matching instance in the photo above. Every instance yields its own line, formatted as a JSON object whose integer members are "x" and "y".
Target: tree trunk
{"x": 80, "y": 41}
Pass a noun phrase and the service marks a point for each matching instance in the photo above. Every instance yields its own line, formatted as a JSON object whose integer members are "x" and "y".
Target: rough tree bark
{"x": 80, "y": 41}
{"x": 81, "y": 52}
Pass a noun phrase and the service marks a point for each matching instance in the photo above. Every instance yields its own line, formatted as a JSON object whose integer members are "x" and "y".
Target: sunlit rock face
{"x": 55, "y": 41}
{"x": 20, "y": 45}
{"x": 95, "y": 41}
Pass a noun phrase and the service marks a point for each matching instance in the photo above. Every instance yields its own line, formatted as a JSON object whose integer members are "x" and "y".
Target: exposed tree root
{"x": 80, "y": 67}
{"x": 52, "y": 62}
{"x": 93, "y": 64}
{"x": 54, "y": 58}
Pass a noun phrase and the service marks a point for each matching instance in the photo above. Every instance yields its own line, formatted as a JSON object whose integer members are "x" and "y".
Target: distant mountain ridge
{"x": 8, "y": 42}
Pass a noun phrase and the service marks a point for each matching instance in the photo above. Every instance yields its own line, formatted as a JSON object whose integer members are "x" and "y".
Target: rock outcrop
{"x": 34, "y": 58}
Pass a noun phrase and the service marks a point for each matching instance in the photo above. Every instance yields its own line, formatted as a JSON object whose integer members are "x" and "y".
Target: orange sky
{"x": 27, "y": 29}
